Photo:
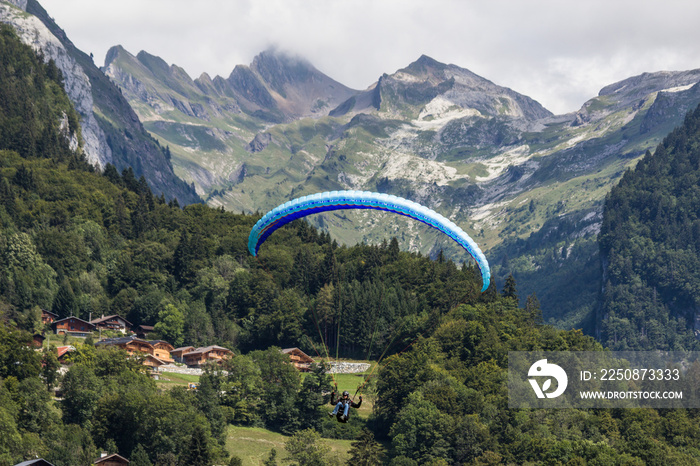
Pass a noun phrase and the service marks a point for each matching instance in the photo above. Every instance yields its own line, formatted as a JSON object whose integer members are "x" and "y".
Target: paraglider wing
{"x": 336, "y": 200}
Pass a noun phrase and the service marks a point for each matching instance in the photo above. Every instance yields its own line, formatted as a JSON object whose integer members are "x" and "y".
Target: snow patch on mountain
{"x": 678, "y": 88}
{"x": 487, "y": 215}
{"x": 440, "y": 111}
{"x": 497, "y": 165}
{"x": 405, "y": 166}
{"x": 406, "y": 77}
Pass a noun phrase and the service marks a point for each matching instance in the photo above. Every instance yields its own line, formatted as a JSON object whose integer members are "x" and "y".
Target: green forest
{"x": 650, "y": 243}
{"x": 77, "y": 241}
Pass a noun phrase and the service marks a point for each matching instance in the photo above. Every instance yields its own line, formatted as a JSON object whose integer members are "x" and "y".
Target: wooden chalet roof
{"x": 114, "y": 457}
{"x": 44, "y": 311}
{"x": 181, "y": 349}
{"x": 56, "y": 322}
{"x": 299, "y": 353}
{"x": 161, "y": 343}
{"x": 63, "y": 350}
{"x": 35, "y": 462}
{"x": 121, "y": 341}
{"x": 207, "y": 349}
{"x": 105, "y": 319}
{"x": 158, "y": 360}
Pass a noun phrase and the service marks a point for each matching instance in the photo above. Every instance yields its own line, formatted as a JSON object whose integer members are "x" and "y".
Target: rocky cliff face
{"x": 111, "y": 131}
{"x": 78, "y": 87}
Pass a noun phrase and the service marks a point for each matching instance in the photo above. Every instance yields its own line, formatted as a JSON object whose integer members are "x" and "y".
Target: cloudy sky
{"x": 559, "y": 52}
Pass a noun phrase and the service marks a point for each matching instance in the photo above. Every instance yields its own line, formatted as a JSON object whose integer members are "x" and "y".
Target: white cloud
{"x": 557, "y": 52}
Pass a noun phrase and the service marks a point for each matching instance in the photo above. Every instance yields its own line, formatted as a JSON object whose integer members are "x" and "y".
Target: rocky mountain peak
{"x": 114, "y": 53}
{"x": 153, "y": 62}
{"x": 645, "y": 83}
{"x": 411, "y": 88}
{"x": 424, "y": 66}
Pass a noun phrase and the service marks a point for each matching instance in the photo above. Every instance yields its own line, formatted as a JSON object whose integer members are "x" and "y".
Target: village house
{"x": 62, "y": 353}
{"x": 111, "y": 460}
{"x": 73, "y": 326}
{"x": 157, "y": 352}
{"x": 154, "y": 362}
{"x": 113, "y": 322}
{"x": 162, "y": 350}
{"x": 48, "y": 317}
{"x": 177, "y": 353}
{"x": 299, "y": 359}
{"x": 130, "y": 344}
{"x": 199, "y": 356}
{"x": 38, "y": 340}
{"x": 142, "y": 331}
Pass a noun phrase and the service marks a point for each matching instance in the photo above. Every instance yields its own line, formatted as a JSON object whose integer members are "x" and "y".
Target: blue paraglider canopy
{"x": 336, "y": 200}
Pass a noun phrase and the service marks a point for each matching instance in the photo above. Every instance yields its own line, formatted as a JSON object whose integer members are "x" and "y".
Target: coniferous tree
{"x": 112, "y": 174}
{"x": 24, "y": 178}
{"x": 509, "y": 289}
{"x": 139, "y": 457}
{"x": 271, "y": 458}
{"x": 50, "y": 366}
{"x": 7, "y": 197}
{"x": 198, "y": 453}
{"x": 532, "y": 309}
{"x": 64, "y": 304}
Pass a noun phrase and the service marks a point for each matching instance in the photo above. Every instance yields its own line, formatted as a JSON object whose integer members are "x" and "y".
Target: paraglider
{"x": 342, "y": 408}
{"x": 336, "y": 200}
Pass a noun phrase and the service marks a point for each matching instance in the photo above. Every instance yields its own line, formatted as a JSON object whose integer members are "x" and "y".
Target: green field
{"x": 171, "y": 379}
{"x": 253, "y": 445}
{"x": 364, "y": 381}
{"x": 57, "y": 340}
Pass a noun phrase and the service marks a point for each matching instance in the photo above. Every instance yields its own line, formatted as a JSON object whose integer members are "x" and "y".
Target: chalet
{"x": 177, "y": 353}
{"x": 38, "y": 340}
{"x": 114, "y": 322}
{"x": 161, "y": 350}
{"x": 157, "y": 351}
{"x": 154, "y": 362}
{"x": 130, "y": 344}
{"x": 200, "y": 356}
{"x": 73, "y": 326}
{"x": 111, "y": 460}
{"x": 301, "y": 360}
{"x": 142, "y": 331}
{"x": 63, "y": 352}
{"x": 47, "y": 317}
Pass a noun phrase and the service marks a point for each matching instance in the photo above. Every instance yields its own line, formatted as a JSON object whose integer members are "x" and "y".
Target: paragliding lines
{"x": 338, "y": 200}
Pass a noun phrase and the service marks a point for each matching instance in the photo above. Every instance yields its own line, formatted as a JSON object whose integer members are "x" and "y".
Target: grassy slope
{"x": 253, "y": 445}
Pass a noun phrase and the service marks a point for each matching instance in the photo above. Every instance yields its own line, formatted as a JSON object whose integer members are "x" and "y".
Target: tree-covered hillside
{"x": 650, "y": 244}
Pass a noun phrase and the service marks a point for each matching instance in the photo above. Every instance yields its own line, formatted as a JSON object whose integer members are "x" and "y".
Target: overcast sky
{"x": 559, "y": 52}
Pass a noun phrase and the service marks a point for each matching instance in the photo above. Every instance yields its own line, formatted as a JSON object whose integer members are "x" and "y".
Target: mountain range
{"x": 526, "y": 184}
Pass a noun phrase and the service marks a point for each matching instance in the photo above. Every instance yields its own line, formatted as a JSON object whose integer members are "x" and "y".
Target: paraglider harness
{"x": 343, "y": 405}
